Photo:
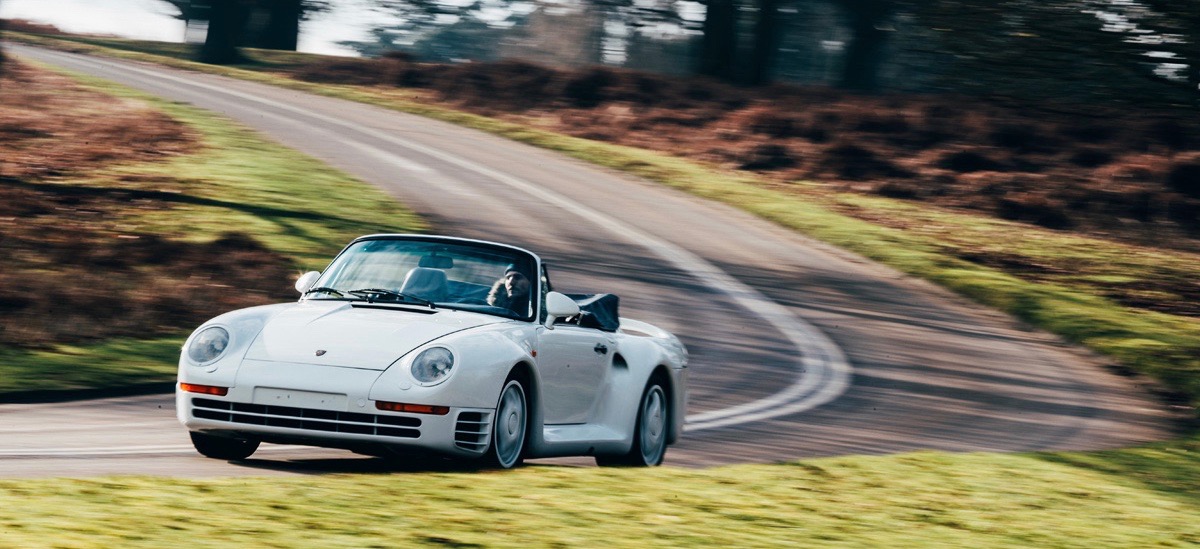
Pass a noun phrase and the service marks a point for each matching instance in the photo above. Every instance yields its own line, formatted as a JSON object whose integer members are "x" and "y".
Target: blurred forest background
{"x": 1069, "y": 115}
{"x": 1066, "y": 114}
{"x": 1079, "y": 50}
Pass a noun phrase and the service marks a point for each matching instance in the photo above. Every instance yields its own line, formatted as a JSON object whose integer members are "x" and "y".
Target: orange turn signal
{"x": 412, "y": 408}
{"x": 204, "y": 389}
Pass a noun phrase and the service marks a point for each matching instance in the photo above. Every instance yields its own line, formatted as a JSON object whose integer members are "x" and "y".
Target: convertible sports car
{"x": 412, "y": 344}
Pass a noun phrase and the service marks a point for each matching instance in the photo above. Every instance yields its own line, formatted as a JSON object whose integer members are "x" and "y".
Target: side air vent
{"x": 471, "y": 431}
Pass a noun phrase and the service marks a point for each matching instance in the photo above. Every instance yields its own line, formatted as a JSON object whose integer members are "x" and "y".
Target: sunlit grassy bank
{"x": 1128, "y": 498}
{"x": 110, "y": 365}
{"x": 293, "y": 203}
{"x": 236, "y": 181}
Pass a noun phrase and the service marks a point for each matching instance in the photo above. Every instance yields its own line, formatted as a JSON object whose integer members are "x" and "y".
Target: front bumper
{"x": 327, "y": 406}
{"x": 462, "y": 432}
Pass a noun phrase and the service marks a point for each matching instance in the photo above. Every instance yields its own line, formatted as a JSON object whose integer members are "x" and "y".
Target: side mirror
{"x": 559, "y": 306}
{"x": 306, "y": 281}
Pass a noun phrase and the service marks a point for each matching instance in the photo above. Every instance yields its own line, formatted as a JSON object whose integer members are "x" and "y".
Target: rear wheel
{"x": 223, "y": 447}
{"x": 508, "y": 430}
{"x": 650, "y": 433}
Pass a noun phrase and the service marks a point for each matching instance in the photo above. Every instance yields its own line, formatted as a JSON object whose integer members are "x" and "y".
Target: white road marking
{"x": 822, "y": 371}
{"x": 424, "y": 172}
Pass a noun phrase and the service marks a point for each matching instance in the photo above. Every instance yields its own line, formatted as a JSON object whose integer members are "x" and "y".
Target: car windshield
{"x": 470, "y": 276}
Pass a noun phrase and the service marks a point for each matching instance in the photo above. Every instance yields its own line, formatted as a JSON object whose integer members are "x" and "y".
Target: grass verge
{"x": 1127, "y": 498}
{"x": 112, "y": 364}
{"x": 292, "y": 204}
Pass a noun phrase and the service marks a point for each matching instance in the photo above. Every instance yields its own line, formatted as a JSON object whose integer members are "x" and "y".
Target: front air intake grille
{"x": 307, "y": 419}
{"x": 471, "y": 431}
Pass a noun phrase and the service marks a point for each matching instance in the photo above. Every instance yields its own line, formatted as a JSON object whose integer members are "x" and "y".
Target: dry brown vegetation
{"x": 1133, "y": 176}
{"x": 72, "y": 271}
{"x": 22, "y": 25}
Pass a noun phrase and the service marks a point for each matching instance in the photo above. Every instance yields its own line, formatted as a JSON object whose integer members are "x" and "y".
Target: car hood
{"x": 338, "y": 333}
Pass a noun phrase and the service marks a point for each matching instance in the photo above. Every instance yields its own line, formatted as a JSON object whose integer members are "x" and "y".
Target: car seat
{"x": 426, "y": 283}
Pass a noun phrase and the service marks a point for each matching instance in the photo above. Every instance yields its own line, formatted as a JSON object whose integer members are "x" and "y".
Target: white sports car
{"x": 412, "y": 344}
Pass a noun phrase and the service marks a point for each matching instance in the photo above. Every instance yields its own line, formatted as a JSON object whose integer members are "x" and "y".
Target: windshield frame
{"x": 534, "y": 262}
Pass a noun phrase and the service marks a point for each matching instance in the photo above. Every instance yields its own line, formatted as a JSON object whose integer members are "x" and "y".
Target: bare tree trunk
{"x": 766, "y": 40}
{"x": 282, "y": 27}
{"x": 224, "y": 24}
{"x": 864, "y": 53}
{"x": 1191, "y": 54}
{"x": 718, "y": 48}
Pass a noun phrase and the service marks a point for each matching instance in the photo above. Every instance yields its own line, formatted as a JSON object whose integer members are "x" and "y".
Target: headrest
{"x": 426, "y": 283}
{"x": 436, "y": 262}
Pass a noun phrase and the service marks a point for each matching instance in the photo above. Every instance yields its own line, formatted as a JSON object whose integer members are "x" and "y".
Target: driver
{"x": 511, "y": 291}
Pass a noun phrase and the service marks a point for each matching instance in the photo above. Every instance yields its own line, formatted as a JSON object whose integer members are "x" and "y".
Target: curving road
{"x": 798, "y": 349}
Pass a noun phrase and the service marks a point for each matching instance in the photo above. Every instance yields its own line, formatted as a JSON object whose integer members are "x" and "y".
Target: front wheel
{"x": 508, "y": 430}
{"x": 650, "y": 432}
{"x": 230, "y": 449}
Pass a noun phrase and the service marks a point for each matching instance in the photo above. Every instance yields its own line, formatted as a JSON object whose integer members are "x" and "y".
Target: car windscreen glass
{"x": 454, "y": 275}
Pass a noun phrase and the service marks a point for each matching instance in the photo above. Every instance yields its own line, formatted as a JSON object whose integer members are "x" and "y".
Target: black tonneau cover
{"x": 597, "y": 311}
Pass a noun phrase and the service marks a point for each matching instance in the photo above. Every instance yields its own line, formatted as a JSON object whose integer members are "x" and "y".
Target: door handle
{"x": 601, "y": 348}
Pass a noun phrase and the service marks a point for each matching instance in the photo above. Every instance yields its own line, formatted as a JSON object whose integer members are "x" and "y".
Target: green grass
{"x": 1127, "y": 498}
{"x": 291, "y": 203}
{"x": 115, "y": 363}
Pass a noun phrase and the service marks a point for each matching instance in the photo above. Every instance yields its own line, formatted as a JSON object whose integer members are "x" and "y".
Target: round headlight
{"x": 433, "y": 365}
{"x": 208, "y": 345}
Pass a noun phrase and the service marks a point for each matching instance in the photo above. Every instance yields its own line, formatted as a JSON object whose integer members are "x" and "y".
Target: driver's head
{"x": 515, "y": 283}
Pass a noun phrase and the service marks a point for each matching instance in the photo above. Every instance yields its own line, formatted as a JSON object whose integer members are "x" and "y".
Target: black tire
{"x": 510, "y": 426}
{"x": 229, "y": 449}
{"x": 650, "y": 432}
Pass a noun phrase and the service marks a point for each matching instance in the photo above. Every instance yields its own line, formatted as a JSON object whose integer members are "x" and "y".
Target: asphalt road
{"x": 797, "y": 349}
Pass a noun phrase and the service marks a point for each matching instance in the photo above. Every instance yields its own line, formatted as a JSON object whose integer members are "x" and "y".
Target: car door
{"x": 574, "y": 363}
